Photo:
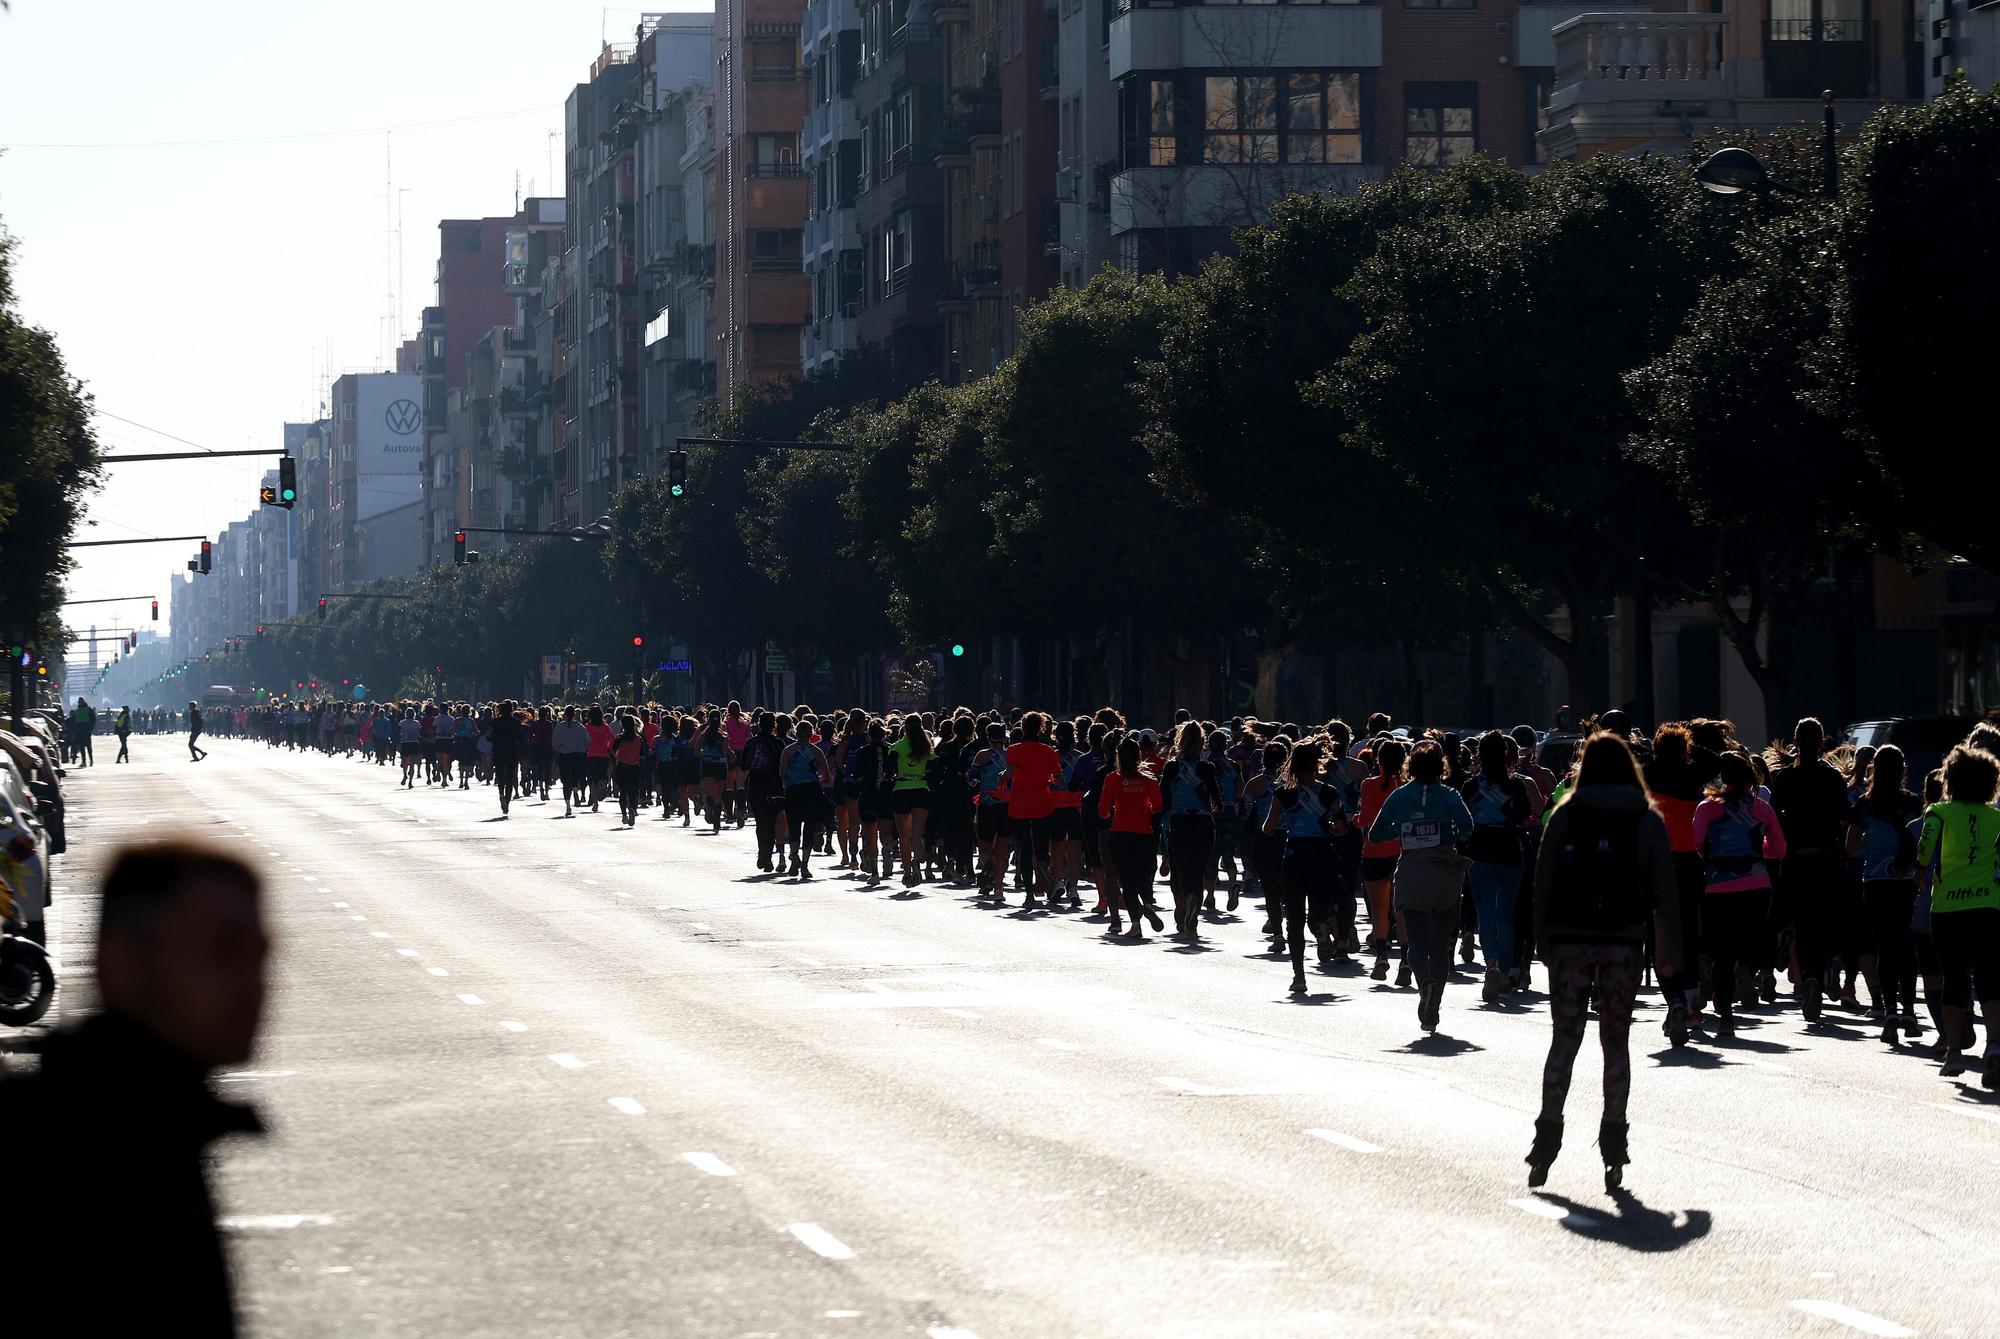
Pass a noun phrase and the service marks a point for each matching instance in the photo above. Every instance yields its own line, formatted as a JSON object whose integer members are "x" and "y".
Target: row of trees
{"x": 48, "y": 463}
{"x": 1461, "y": 400}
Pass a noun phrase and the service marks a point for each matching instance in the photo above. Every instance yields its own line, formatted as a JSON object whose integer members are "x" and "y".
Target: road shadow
{"x": 1739, "y": 1042}
{"x": 1687, "y": 1057}
{"x": 1974, "y": 1095}
{"x": 1635, "y": 1226}
{"x": 1198, "y": 946}
{"x": 1438, "y": 1043}
{"x": 771, "y": 877}
{"x": 1123, "y": 939}
{"x": 1323, "y": 997}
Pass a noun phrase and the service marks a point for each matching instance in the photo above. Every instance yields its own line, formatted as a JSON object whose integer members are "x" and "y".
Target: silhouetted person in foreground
{"x": 110, "y": 1134}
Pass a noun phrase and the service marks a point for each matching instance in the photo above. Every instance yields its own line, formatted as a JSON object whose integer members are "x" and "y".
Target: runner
{"x": 1193, "y": 800}
{"x": 1962, "y": 834}
{"x": 912, "y": 796}
{"x": 805, "y": 770}
{"x": 1032, "y": 769}
{"x": 1501, "y": 805}
{"x": 1128, "y": 804}
{"x": 1426, "y": 817}
{"x": 1607, "y": 871}
{"x": 1378, "y": 857}
{"x": 1307, "y": 811}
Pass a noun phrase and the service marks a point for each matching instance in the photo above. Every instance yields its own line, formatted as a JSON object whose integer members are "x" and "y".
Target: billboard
{"x": 388, "y": 441}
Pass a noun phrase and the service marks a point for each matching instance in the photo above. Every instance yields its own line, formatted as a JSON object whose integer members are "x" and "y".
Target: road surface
{"x": 551, "y": 1077}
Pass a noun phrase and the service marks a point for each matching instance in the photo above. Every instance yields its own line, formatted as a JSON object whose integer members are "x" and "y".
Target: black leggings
{"x": 1191, "y": 852}
{"x": 802, "y": 804}
{"x": 1689, "y": 879}
{"x": 1732, "y": 931}
{"x": 1887, "y": 904}
{"x": 1267, "y": 857}
{"x": 1310, "y": 871}
{"x": 1132, "y": 857}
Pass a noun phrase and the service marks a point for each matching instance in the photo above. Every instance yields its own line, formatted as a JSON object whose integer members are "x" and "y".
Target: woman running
{"x": 1501, "y": 805}
{"x": 1735, "y": 832}
{"x": 1606, "y": 871}
{"x": 1378, "y": 858}
{"x": 716, "y": 762}
{"x": 1193, "y": 800}
{"x": 988, "y": 779}
{"x": 1962, "y": 834}
{"x": 571, "y": 738}
{"x": 1307, "y": 811}
{"x": 626, "y": 752}
{"x": 1129, "y": 802}
{"x": 597, "y": 758}
{"x": 805, "y": 770}
{"x": 1880, "y": 838}
{"x": 912, "y": 758}
{"x": 874, "y": 804}
{"x": 1677, "y": 780}
{"x": 1267, "y": 848}
{"x": 1228, "y": 820}
{"x": 1427, "y": 818}
{"x": 1066, "y": 819}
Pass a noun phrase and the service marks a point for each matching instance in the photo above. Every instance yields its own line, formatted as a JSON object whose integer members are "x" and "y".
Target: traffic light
{"x": 260, "y": 629}
{"x": 458, "y": 548}
{"x": 677, "y": 473}
{"x": 156, "y": 611}
{"x": 957, "y": 649}
{"x": 288, "y": 482}
{"x": 132, "y": 642}
{"x": 267, "y": 496}
{"x": 638, "y": 643}
{"x": 204, "y": 557}
{"x": 322, "y": 608}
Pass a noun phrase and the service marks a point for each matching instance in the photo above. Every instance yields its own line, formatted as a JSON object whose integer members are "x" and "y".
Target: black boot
{"x": 1548, "y": 1142}
{"x": 1611, "y": 1143}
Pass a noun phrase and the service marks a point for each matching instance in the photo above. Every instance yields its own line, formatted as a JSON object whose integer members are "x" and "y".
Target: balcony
{"x": 979, "y": 267}
{"x": 775, "y": 74}
{"x": 1645, "y": 56}
{"x": 1339, "y": 37}
{"x": 782, "y": 170}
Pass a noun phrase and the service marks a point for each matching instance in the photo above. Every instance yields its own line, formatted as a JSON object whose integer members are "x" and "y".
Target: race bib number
{"x": 1422, "y": 834}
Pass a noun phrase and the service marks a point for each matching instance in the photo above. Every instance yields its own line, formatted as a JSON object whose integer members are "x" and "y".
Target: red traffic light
{"x": 638, "y": 642}
{"x": 156, "y": 611}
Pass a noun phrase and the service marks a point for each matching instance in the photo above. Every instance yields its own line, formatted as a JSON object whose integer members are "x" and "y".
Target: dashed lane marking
{"x": 809, "y": 962}
{"x": 1553, "y": 1212}
{"x": 700, "y": 926}
{"x": 1975, "y": 1113}
{"x": 252, "y": 1075}
{"x": 566, "y": 1060}
{"x": 512, "y": 1026}
{"x": 1346, "y": 1141}
{"x": 949, "y": 1332}
{"x": 627, "y": 1105}
{"x": 966, "y": 1014}
{"x": 1057, "y": 1044}
{"x": 709, "y": 1163}
{"x": 272, "y": 1222}
{"x": 437, "y": 971}
{"x": 340, "y": 906}
{"x": 470, "y": 999}
{"x": 821, "y": 1241}
{"x": 379, "y": 934}
{"x": 358, "y": 918}
{"x": 1848, "y": 1316}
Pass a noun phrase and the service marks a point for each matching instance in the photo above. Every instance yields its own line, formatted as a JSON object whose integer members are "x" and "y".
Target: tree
{"x": 48, "y": 463}
{"x": 1489, "y": 377}
{"x": 1771, "y": 483}
{"x": 1921, "y": 261}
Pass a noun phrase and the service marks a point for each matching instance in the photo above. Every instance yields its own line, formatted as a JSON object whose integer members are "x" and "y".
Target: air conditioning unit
{"x": 1066, "y": 183}
{"x": 989, "y": 209}
{"x": 850, "y": 262}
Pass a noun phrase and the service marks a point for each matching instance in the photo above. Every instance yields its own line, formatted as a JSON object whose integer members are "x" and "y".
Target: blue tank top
{"x": 1733, "y": 846}
{"x": 1303, "y": 812}
{"x": 1187, "y": 796}
{"x": 989, "y": 774}
{"x": 1260, "y": 806}
{"x": 804, "y": 768}
{"x": 1229, "y": 782}
{"x": 713, "y": 750}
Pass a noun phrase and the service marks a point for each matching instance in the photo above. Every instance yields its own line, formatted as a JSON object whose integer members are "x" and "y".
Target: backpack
{"x": 1597, "y": 884}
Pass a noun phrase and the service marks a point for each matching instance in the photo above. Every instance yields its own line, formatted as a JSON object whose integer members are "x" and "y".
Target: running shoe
{"x": 1954, "y": 1064}
{"x": 1380, "y": 972}
{"x": 1465, "y": 947}
{"x": 1676, "y": 1026}
{"x": 1809, "y": 999}
{"x": 1989, "y": 1073}
{"x": 1299, "y": 984}
{"x": 1403, "y": 974}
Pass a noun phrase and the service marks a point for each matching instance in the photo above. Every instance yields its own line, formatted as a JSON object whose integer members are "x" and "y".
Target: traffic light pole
{"x": 193, "y": 455}
{"x": 152, "y": 539}
{"x": 111, "y": 599}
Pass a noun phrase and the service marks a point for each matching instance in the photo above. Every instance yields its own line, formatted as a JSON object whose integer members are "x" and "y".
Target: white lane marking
{"x": 246, "y": 1075}
{"x": 272, "y": 1222}
{"x": 358, "y": 918}
{"x": 437, "y": 971}
{"x": 698, "y": 925}
{"x": 1848, "y": 1316}
{"x": 1057, "y": 1044}
{"x": 1968, "y": 1111}
{"x": 566, "y": 1060}
{"x": 966, "y": 1014}
{"x": 337, "y": 1269}
{"x": 949, "y": 1332}
{"x": 470, "y": 999}
{"x": 407, "y": 952}
{"x": 560, "y": 869}
{"x": 379, "y": 934}
{"x": 1553, "y": 1212}
{"x": 810, "y": 962}
{"x": 1184, "y": 1085}
{"x": 591, "y": 882}
{"x": 1346, "y": 1141}
{"x": 340, "y": 906}
{"x": 616, "y": 893}
{"x": 512, "y": 1026}
{"x": 821, "y": 1240}
{"x": 709, "y": 1163}
{"x": 843, "y": 1315}
{"x": 628, "y": 1106}
{"x": 345, "y": 832}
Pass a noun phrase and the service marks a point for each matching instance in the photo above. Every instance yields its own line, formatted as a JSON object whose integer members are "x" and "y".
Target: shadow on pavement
{"x": 1636, "y": 1227}
{"x": 1739, "y": 1042}
{"x": 1690, "y": 1057}
{"x": 1437, "y": 1044}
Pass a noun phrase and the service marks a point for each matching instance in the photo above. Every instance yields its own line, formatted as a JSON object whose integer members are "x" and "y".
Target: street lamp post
{"x": 1736, "y": 171}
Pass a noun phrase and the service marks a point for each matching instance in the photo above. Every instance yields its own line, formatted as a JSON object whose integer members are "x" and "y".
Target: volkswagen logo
{"x": 403, "y": 417}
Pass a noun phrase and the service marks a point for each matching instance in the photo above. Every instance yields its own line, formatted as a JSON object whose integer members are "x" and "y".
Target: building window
{"x": 1240, "y": 118}
{"x": 778, "y": 249}
{"x": 774, "y": 60}
{"x": 774, "y": 156}
{"x": 1440, "y": 4}
{"x": 1322, "y": 117}
{"x": 1161, "y": 146}
{"x": 1540, "y": 84}
{"x": 1440, "y": 123}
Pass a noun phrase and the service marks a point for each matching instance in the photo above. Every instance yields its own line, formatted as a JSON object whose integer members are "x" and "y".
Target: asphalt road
{"x": 550, "y": 1077}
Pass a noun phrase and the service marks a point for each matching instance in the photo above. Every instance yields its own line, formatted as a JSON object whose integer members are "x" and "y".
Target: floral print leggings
{"x": 1572, "y": 967}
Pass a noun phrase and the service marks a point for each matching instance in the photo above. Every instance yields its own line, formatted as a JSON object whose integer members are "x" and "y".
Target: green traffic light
{"x": 678, "y": 490}
{"x": 290, "y": 495}
{"x": 957, "y": 650}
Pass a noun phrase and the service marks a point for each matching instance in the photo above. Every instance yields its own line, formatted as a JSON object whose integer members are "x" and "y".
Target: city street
{"x": 554, "y": 1078}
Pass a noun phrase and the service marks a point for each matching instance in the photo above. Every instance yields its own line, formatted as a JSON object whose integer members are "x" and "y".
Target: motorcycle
{"x": 27, "y": 973}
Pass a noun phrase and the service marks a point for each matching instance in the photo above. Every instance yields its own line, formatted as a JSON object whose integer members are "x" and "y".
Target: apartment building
{"x": 1628, "y": 81}
{"x": 526, "y": 402}
{"x": 373, "y": 523}
{"x": 1959, "y": 37}
{"x": 830, "y": 162}
{"x": 761, "y": 297}
{"x": 968, "y": 153}
{"x": 1087, "y": 141}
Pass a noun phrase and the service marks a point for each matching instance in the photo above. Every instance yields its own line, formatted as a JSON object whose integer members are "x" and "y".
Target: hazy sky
{"x": 208, "y": 289}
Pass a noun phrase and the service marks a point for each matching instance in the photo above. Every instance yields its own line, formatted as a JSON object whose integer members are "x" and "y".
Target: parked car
{"x": 1924, "y": 740}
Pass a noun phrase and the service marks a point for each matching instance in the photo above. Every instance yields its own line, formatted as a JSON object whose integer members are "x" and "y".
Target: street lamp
{"x": 1736, "y": 171}
{"x": 597, "y": 529}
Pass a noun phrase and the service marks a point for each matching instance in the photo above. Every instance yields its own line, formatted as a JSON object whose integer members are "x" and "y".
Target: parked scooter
{"x": 27, "y": 973}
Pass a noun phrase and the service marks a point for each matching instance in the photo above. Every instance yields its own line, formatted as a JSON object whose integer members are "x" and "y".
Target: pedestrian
{"x": 122, "y": 726}
{"x": 120, "y": 1113}
{"x": 195, "y": 752}
{"x": 1427, "y": 818}
{"x": 1606, "y": 873}
{"x": 1962, "y": 834}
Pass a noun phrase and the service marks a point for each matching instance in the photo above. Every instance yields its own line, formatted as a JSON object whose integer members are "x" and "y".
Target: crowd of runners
{"x": 1724, "y": 875}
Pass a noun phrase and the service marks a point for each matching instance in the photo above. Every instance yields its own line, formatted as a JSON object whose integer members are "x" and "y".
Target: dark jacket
{"x": 1652, "y": 871}
{"x": 112, "y": 1132}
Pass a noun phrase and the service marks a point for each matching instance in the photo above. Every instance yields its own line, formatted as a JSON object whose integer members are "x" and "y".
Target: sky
{"x": 221, "y": 245}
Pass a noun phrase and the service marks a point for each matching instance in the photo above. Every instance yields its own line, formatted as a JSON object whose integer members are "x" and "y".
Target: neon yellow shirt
{"x": 1964, "y": 840}
{"x": 911, "y": 773}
